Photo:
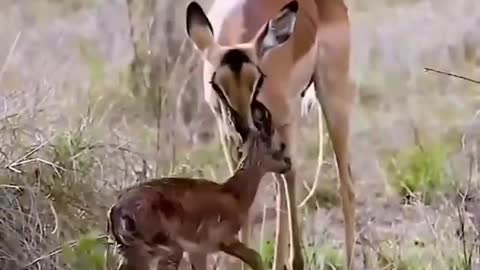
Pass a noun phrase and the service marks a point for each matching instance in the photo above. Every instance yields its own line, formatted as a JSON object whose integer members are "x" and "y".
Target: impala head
{"x": 257, "y": 150}
{"x": 237, "y": 77}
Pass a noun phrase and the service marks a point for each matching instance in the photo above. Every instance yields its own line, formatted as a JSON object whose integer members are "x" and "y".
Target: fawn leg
{"x": 229, "y": 150}
{"x": 135, "y": 258}
{"x": 198, "y": 261}
{"x": 169, "y": 259}
{"x": 244, "y": 253}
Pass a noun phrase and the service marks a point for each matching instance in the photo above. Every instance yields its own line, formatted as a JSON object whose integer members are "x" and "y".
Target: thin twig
{"x": 55, "y": 167}
{"x": 9, "y": 55}
{"x": 452, "y": 75}
{"x": 55, "y": 217}
{"x": 11, "y": 165}
{"x": 52, "y": 253}
{"x": 12, "y": 186}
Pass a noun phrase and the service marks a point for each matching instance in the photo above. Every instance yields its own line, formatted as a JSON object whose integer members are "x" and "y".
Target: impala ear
{"x": 277, "y": 30}
{"x": 199, "y": 29}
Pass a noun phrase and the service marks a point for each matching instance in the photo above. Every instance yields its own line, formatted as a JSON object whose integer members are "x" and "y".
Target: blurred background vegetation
{"x": 97, "y": 95}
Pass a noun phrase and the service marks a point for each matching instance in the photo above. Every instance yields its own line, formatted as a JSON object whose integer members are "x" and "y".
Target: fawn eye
{"x": 129, "y": 223}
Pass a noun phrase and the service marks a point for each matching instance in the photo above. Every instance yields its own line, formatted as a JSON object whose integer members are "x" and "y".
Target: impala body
{"x": 281, "y": 47}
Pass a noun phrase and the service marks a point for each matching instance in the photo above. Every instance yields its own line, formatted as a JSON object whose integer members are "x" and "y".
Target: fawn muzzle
{"x": 122, "y": 226}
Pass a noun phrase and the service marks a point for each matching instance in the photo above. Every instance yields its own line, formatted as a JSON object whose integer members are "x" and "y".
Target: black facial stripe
{"x": 258, "y": 85}
{"x": 302, "y": 94}
{"x": 237, "y": 123}
{"x": 233, "y": 114}
{"x": 220, "y": 92}
{"x": 235, "y": 59}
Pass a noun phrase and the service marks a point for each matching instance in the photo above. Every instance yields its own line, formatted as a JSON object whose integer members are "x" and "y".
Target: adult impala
{"x": 280, "y": 46}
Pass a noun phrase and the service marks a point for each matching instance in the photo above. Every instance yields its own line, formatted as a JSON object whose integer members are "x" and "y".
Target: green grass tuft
{"x": 420, "y": 171}
{"x": 324, "y": 257}
{"x": 89, "y": 253}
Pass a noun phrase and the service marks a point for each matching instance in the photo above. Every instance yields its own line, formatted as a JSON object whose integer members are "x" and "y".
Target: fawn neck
{"x": 245, "y": 181}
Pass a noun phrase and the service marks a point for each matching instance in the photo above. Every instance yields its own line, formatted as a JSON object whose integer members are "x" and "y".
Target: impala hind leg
{"x": 244, "y": 253}
{"x": 336, "y": 98}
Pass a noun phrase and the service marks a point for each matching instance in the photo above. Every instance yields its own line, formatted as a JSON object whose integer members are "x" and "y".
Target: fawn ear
{"x": 199, "y": 29}
{"x": 277, "y": 30}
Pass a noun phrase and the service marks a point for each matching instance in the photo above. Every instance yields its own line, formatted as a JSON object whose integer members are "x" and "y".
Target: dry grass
{"x": 89, "y": 105}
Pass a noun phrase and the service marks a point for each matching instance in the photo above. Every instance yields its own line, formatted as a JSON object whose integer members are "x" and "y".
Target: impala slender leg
{"x": 336, "y": 97}
{"x": 287, "y": 220}
{"x": 282, "y": 228}
{"x": 287, "y": 226}
{"x": 296, "y": 257}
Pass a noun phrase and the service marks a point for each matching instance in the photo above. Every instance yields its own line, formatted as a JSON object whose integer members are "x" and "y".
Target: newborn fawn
{"x": 156, "y": 221}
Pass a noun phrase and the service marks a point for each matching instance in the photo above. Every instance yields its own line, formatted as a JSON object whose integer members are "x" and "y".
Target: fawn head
{"x": 257, "y": 150}
{"x": 237, "y": 75}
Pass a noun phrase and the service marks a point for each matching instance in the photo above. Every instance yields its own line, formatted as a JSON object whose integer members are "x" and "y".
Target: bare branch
{"x": 427, "y": 69}
{"x": 25, "y": 158}
{"x": 9, "y": 55}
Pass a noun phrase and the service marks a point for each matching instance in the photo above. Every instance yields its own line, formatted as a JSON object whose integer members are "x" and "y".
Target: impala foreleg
{"x": 336, "y": 97}
{"x": 296, "y": 258}
{"x": 282, "y": 228}
{"x": 288, "y": 230}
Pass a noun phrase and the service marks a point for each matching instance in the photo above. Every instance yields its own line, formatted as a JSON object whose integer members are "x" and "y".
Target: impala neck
{"x": 244, "y": 182}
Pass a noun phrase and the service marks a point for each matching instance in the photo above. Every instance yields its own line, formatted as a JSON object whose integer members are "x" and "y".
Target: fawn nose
{"x": 288, "y": 161}
{"x": 288, "y": 166}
